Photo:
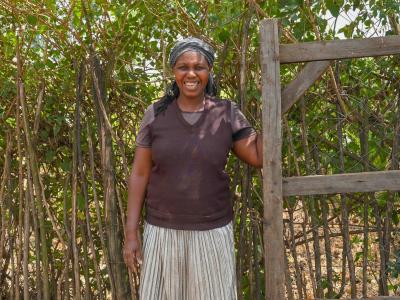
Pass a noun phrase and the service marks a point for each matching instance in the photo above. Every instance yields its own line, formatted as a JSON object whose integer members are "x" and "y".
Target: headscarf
{"x": 188, "y": 44}
{"x": 192, "y": 44}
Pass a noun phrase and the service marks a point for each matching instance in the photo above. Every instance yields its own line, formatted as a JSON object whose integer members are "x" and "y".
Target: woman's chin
{"x": 192, "y": 94}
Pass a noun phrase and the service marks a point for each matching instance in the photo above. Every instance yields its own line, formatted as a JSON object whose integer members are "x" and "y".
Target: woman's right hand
{"x": 132, "y": 251}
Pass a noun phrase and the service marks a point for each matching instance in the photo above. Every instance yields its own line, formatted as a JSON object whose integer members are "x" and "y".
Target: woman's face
{"x": 191, "y": 72}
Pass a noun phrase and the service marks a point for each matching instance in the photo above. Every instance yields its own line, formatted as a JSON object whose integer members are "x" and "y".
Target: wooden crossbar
{"x": 338, "y": 49}
{"x": 342, "y": 183}
{"x": 306, "y": 78}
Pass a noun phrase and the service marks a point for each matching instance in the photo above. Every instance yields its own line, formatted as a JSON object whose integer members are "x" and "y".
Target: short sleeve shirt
{"x": 189, "y": 187}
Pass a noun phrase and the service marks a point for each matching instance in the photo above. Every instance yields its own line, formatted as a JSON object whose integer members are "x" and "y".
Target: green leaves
{"x": 32, "y": 20}
{"x": 10, "y": 121}
{"x": 287, "y": 5}
{"x": 81, "y": 202}
{"x": 394, "y": 265}
{"x": 223, "y": 35}
{"x": 50, "y": 156}
{"x": 66, "y": 165}
{"x": 126, "y": 36}
{"x": 334, "y": 6}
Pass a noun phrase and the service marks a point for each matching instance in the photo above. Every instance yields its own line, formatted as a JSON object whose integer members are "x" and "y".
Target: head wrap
{"x": 191, "y": 44}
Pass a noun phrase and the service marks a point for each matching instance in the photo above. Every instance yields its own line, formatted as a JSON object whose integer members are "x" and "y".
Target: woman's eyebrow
{"x": 185, "y": 63}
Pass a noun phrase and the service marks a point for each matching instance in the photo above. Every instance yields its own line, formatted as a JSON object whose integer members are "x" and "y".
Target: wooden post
{"x": 272, "y": 156}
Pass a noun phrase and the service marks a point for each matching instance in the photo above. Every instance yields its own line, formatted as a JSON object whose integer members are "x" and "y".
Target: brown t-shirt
{"x": 188, "y": 186}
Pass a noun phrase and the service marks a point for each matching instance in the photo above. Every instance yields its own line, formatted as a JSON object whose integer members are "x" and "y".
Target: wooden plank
{"x": 298, "y": 86}
{"x": 272, "y": 157}
{"x": 342, "y": 183}
{"x": 337, "y": 49}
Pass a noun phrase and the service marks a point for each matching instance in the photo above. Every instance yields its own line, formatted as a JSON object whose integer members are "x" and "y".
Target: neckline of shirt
{"x": 192, "y": 112}
{"x": 179, "y": 112}
{"x": 201, "y": 109}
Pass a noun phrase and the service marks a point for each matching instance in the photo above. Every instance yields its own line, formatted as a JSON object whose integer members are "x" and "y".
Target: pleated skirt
{"x": 188, "y": 264}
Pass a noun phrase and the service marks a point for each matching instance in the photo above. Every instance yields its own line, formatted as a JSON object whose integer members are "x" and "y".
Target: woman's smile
{"x": 191, "y": 84}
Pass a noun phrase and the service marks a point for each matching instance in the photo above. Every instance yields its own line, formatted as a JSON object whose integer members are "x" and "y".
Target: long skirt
{"x": 188, "y": 264}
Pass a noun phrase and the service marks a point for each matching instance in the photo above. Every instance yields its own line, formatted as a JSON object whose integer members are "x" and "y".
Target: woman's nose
{"x": 191, "y": 72}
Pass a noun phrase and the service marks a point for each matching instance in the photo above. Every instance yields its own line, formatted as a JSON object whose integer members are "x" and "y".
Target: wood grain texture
{"x": 338, "y": 49}
{"x": 342, "y": 183}
{"x": 298, "y": 86}
{"x": 272, "y": 144}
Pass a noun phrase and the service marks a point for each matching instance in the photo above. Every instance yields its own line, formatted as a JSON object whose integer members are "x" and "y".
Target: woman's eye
{"x": 196, "y": 68}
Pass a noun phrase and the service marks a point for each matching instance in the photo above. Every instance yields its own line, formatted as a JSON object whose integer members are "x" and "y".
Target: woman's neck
{"x": 191, "y": 105}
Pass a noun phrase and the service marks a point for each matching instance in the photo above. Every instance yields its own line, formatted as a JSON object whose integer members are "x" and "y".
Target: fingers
{"x": 128, "y": 258}
{"x": 132, "y": 252}
{"x": 139, "y": 257}
{"x": 139, "y": 250}
{"x": 132, "y": 259}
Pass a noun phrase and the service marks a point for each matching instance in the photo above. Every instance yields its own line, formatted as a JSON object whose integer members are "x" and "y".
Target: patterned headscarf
{"x": 191, "y": 44}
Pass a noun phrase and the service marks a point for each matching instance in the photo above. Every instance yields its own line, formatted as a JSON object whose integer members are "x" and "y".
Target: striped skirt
{"x": 188, "y": 264}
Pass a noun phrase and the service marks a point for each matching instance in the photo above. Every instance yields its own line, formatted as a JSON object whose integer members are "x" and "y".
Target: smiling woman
{"x": 179, "y": 171}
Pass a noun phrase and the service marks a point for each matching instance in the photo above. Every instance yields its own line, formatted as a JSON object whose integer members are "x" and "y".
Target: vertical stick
{"x": 85, "y": 260}
{"x": 65, "y": 294}
{"x": 307, "y": 250}
{"x": 35, "y": 172}
{"x": 272, "y": 153}
{"x": 301, "y": 287}
{"x": 311, "y": 206}
{"x": 74, "y": 215}
{"x": 5, "y": 177}
{"x": 344, "y": 206}
{"x": 288, "y": 282}
{"x": 26, "y": 246}
{"x": 98, "y": 212}
{"x": 20, "y": 241}
{"x": 247, "y": 176}
{"x": 364, "y": 128}
{"x": 325, "y": 222}
{"x": 164, "y": 60}
{"x": 11, "y": 293}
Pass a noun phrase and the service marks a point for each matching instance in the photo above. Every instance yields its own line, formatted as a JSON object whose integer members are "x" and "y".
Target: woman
{"x": 179, "y": 167}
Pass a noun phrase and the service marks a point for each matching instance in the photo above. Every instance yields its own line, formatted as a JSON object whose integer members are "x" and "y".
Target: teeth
{"x": 191, "y": 84}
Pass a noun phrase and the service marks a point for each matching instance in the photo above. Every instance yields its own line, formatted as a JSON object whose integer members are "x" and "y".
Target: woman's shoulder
{"x": 162, "y": 104}
{"x": 148, "y": 115}
{"x": 150, "y": 109}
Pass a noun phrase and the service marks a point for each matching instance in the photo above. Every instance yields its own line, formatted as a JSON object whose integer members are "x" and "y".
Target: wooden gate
{"x": 275, "y": 103}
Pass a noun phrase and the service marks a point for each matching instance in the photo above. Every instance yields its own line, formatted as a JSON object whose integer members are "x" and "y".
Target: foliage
{"x": 130, "y": 40}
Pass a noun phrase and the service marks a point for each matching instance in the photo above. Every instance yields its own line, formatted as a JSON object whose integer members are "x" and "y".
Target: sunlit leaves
{"x": 129, "y": 36}
{"x": 334, "y": 6}
{"x": 32, "y": 20}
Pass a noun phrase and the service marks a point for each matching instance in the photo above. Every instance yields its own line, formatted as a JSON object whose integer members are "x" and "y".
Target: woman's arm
{"x": 250, "y": 150}
{"x": 137, "y": 183}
